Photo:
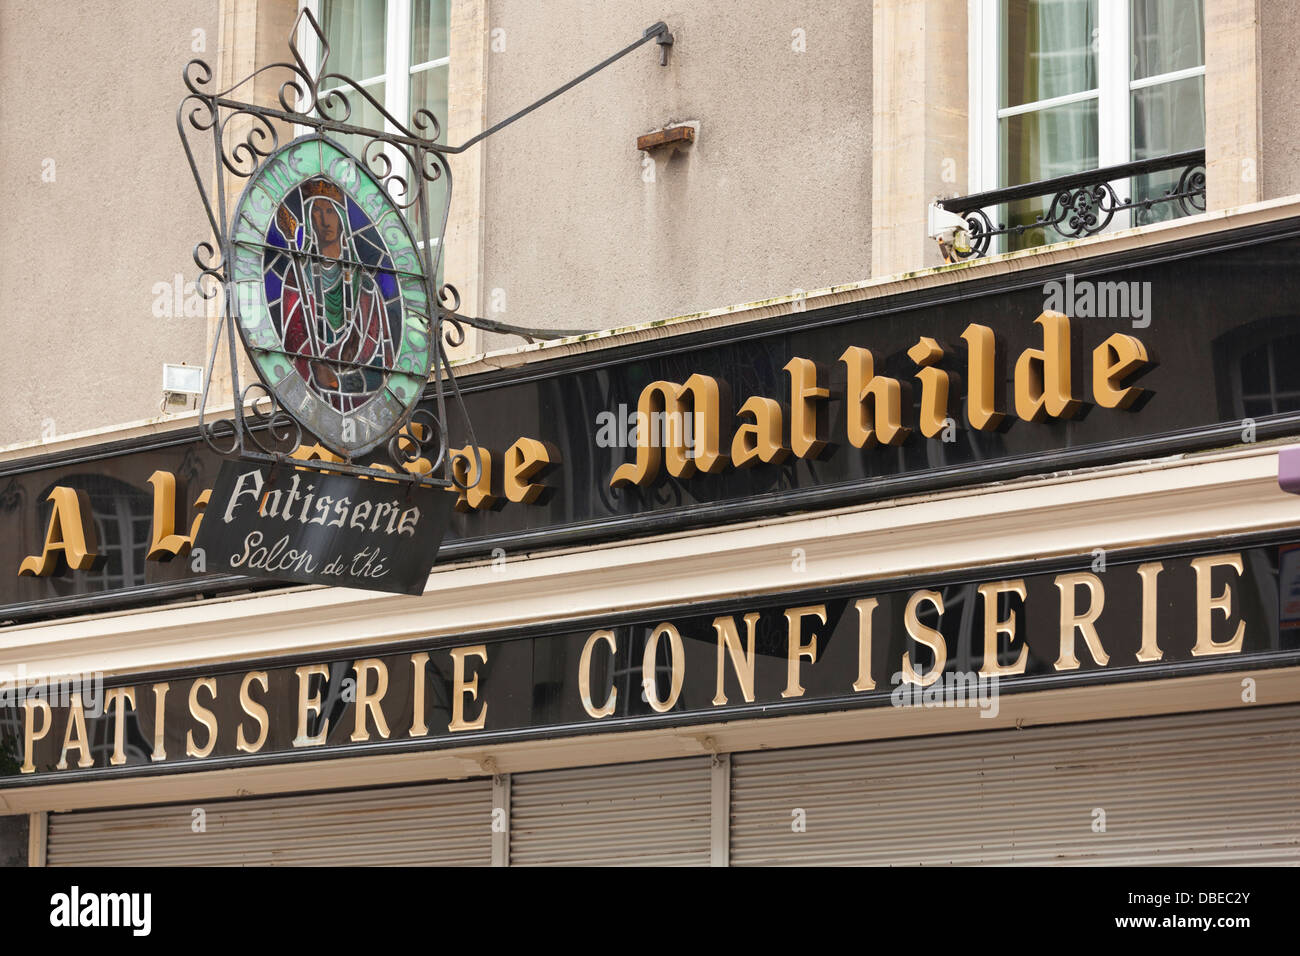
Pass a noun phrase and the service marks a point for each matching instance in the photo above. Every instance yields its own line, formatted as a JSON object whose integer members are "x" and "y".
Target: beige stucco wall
{"x": 93, "y": 87}
{"x": 1280, "y": 83}
{"x": 573, "y": 229}
{"x": 774, "y": 195}
{"x": 568, "y": 225}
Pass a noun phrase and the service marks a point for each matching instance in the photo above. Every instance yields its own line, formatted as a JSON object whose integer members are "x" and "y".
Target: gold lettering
{"x": 926, "y": 636}
{"x": 309, "y": 705}
{"x": 1207, "y": 604}
{"x": 368, "y": 700}
{"x": 805, "y": 396}
{"x": 1113, "y": 361}
{"x": 204, "y": 716}
{"x": 796, "y": 649}
{"x": 648, "y": 670}
{"x": 76, "y": 737}
{"x": 584, "y": 675}
{"x": 981, "y": 370}
{"x": 742, "y": 659}
{"x": 1084, "y": 623}
{"x": 875, "y": 402}
{"x": 255, "y": 710}
{"x": 934, "y": 385}
{"x": 68, "y": 536}
{"x": 759, "y": 440}
{"x": 1044, "y": 382}
{"x": 993, "y": 627}
{"x": 118, "y": 698}
{"x": 705, "y": 454}
{"x": 418, "y": 663}
{"x": 525, "y": 460}
{"x": 662, "y": 429}
{"x": 461, "y": 687}
{"x": 1150, "y": 650}
{"x": 30, "y": 734}
{"x": 656, "y": 398}
{"x": 475, "y": 476}
{"x": 159, "y": 709}
{"x": 866, "y": 608}
{"x": 164, "y": 543}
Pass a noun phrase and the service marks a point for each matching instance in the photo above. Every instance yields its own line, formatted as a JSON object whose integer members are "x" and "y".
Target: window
{"x": 1257, "y": 374}
{"x": 398, "y": 51}
{"x": 1064, "y": 86}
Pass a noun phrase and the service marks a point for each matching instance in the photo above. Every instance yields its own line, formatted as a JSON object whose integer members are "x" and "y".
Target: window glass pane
{"x": 1287, "y": 369}
{"x": 1167, "y": 118}
{"x": 1047, "y": 143}
{"x": 429, "y": 91}
{"x": 1168, "y": 35}
{"x": 355, "y": 32}
{"x": 363, "y": 114}
{"x": 1048, "y": 49}
{"x": 430, "y": 24}
{"x": 1040, "y": 145}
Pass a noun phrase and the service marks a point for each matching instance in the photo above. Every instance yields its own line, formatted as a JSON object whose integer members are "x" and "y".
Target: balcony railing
{"x": 1083, "y": 204}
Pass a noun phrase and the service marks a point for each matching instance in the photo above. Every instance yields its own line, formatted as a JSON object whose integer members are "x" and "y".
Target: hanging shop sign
{"x": 339, "y": 308}
{"x": 919, "y": 643}
{"x": 291, "y": 525}
{"x": 974, "y": 382}
{"x": 332, "y": 302}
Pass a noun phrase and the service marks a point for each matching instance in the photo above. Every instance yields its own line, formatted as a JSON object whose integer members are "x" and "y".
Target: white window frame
{"x": 398, "y": 68}
{"x": 398, "y": 71}
{"x": 1113, "y": 94}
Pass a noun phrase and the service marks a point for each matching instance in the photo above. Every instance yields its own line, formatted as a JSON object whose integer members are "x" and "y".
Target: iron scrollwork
{"x": 404, "y": 160}
{"x": 1082, "y": 204}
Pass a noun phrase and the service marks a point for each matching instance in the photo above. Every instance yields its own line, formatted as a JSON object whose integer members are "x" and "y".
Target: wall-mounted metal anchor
{"x": 663, "y": 38}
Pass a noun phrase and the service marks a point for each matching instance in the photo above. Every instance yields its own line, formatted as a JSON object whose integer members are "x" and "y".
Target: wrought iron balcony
{"x": 1082, "y": 204}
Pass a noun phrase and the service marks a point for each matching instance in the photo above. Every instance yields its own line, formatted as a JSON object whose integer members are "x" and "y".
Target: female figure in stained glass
{"x": 333, "y": 321}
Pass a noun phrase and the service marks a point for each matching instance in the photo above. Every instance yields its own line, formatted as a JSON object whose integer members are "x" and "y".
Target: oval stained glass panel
{"x": 332, "y": 304}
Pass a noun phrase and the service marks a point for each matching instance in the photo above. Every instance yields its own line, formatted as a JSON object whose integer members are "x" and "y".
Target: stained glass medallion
{"x": 330, "y": 295}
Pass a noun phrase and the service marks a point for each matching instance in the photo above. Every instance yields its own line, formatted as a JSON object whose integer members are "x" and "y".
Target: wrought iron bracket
{"x": 663, "y": 38}
{"x": 1082, "y": 204}
{"x": 403, "y": 159}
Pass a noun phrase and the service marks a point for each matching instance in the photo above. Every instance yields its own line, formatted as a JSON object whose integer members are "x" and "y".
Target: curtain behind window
{"x": 1049, "y": 50}
{"x": 1167, "y": 117}
{"x": 356, "y": 31}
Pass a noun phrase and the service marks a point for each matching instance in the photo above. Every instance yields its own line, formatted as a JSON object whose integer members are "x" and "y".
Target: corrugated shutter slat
{"x": 646, "y": 814}
{"x": 444, "y": 824}
{"x": 1215, "y": 788}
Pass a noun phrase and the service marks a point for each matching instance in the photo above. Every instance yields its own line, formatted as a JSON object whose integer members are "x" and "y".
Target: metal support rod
{"x": 491, "y": 325}
{"x": 658, "y": 32}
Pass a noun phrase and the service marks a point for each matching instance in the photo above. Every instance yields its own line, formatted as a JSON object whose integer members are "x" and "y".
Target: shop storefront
{"x": 985, "y": 564}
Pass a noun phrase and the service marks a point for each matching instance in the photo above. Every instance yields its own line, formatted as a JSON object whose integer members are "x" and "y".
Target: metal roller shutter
{"x": 445, "y": 824}
{"x": 1210, "y": 788}
{"x": 643, "y": 814}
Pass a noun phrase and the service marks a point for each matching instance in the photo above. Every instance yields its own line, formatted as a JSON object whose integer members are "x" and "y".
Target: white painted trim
{"x": 1166, "y": 501}
{"x": 1114, "y": 134}
{"x": 430, "y": 64}
{"x": 1171, "y": 77}
{"x": 38, "y": 832}
{"x": 984, "y": 108}
{"x": 1064, "y": 99}
{"x": 720, "y": 811}
{"x": 501, "y": 801}
{"x": 1113, "y": 94}
{"x": 1066, "y": 254}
